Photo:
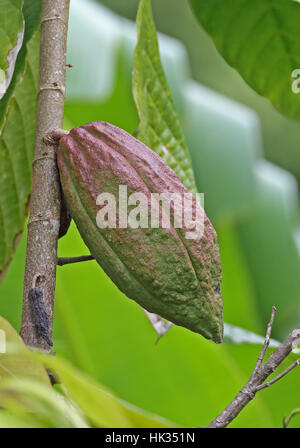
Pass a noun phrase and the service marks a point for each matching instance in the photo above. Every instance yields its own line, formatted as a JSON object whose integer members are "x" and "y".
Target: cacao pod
{"x": 162, "y": 270}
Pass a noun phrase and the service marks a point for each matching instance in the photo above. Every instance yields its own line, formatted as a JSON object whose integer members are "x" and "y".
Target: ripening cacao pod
{"x": 162, "y": 270}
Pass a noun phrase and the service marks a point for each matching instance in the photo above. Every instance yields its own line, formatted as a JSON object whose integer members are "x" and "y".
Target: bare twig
{"x": 43, "y": 227}
{"x": 278, "y": 377}
{"x": 266, "y": 343}
{"x": 69, "y": 260}
{"x": 260, "y": 374}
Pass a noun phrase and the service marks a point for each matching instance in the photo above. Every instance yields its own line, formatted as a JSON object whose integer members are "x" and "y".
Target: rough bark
{"x": 43, "y": 227}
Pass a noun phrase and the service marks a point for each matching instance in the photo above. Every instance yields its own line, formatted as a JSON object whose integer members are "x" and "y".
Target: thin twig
{"x": 278, "y": 377}
{"x": 259, "y": 376}
{"x": 266, "y": 343}
{"x": 44, "y": 222}
{"x": 68, "y": 260}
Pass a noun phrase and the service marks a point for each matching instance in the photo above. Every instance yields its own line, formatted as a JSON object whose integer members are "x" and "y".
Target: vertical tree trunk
{"x": 43, "y": 227}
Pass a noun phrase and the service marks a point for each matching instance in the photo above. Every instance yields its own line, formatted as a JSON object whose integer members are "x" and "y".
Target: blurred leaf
{"x": 25, "y": 389}
{"x": 11, "y": 23}
{"x": 224, "y": 139}
{"x": 32, "y": 15}
{"x": 160, "y": 127}
{"x": 17, "y": 365}
{"x": 237, "y": 335}
{"x": 270, "y": 250}
{"x": 47, "y": 408}
{"x": 237, "y": 287}
{"x": 17, "y": 130}
{"x": 8, "y": 420}
{"x": 11, "y": 38}
{"x": 11, "y": 288}
{"x": 119, "y": 109}
{"x": 94, "y": 27}
{"x": 260, "y": 39}
{"x": 98, "y": 403}
{"x": 287, "y": 420}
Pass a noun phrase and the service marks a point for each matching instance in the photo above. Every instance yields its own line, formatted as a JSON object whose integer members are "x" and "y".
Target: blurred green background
{"x": 252, "y": 202}
{"x": 175, "y": 18}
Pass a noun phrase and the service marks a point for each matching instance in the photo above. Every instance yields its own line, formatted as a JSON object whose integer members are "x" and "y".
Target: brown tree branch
{"x": 260, "y": 373}
{"x": 45, "y": 205}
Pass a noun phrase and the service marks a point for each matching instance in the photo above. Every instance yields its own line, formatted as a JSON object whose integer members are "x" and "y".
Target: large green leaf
{"x": 160, "y": 127}
{"x": 14, "y": 365}
{"x": 260, "y": 39}
{"x": 22, "y": 376}
{"x": 38, "y": 406}
{"x": 25, "y": 390}
{"x": 98, "y": 403}
{"x": 8, "y": 421}
{"x": 11, "y": 38}
{"x": 17, "y": 129}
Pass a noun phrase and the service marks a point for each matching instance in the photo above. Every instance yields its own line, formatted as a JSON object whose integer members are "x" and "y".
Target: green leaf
{"x": 217, "y": 130}
{"x": 11, "y": 38}
{"x": 287, "y": 420}
{"x": 99, "y": 405}
{"x": 25, "y": 389}
{"x": 47, "y": 408}
{"x": 270, "y": 250}
{"x": 17, "y": 130}
{"x": 8, "y": 420}
{"x": 160, "y": 127}
{"x": 17, "y": 365}
{"x": 260, "y": 39}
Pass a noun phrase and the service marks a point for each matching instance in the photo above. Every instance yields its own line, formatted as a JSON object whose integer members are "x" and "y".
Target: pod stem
{"x": 69, "y": 260}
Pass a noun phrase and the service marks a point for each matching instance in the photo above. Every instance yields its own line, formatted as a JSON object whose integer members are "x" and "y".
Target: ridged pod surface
{"x": 159, "y": 268}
